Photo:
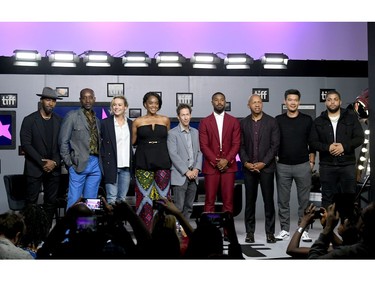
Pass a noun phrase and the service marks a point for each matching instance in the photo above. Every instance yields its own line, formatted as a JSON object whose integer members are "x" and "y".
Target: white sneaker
{"x": 305, "y": 237}
{"x": 283, "y": 235}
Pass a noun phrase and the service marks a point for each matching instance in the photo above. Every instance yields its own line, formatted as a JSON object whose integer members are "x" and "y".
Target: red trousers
{"x": 223, "y": 182}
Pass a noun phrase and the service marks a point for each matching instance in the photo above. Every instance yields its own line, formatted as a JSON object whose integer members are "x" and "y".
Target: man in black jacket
{"x": 260, "y": 140}
{"x": 335, "y": 134}
{"x": 38, "y": 134}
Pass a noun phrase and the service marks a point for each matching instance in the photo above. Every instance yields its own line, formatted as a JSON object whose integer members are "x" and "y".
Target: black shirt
{"x": 294, "y": 134}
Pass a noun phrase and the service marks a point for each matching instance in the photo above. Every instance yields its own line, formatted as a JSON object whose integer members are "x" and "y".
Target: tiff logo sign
{"x": 263, "y": 93}
{"x": 323, "y": 94}
{"x": 8, "y": 100}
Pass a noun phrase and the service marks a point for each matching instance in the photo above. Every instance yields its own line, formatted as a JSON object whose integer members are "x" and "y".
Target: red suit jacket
{"x": 210, "y": 142}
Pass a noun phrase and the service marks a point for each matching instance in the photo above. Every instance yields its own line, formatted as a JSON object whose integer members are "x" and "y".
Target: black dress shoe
{"x": 270, "y": 238}
{"x": 249, "y": 237}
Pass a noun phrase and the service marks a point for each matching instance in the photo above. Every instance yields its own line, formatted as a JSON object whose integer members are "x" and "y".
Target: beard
{"x": 48, "y": 110}
{"x": 219, "y": 110}
{"x": 333, "y": 110}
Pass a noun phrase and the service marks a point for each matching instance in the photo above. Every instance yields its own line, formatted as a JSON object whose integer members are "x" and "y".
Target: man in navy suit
{"x": 260, "y": 140}
{"x": 39, "y": 141}
{"x": 186, "y": 157}
{"x": 220, "y": 138}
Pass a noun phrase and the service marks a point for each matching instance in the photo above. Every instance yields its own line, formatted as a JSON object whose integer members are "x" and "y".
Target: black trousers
{"x": 266, "y": 181}
{"x": 50, "y": 190}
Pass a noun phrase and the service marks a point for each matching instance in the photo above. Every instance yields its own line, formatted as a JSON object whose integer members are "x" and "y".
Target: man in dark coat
{"x": 39, "y": 141}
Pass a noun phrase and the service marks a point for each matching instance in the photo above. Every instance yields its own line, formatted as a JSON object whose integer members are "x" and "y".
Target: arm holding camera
{"x": 124, "y": 212}
{"x": 321, "y": 245}
{"x": 294, "y": 249}
{"x": 171, "y": 208}
{"x": 311, "y": 214}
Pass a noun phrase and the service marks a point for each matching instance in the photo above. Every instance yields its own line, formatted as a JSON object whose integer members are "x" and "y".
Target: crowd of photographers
{"x": 97, "y": 230}
{"x": 117, "y": 232}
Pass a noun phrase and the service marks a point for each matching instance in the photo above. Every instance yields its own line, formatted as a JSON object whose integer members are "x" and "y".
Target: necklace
{"x": 46, "y": 118}
{"x": 335, "y": 118}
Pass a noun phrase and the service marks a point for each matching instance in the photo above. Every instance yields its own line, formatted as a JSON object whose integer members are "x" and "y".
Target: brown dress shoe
{"x": 270, "y": 238}
{"x": 249, "y": 237}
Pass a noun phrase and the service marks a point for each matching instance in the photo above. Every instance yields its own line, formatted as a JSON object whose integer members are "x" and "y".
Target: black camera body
{"x": 158, "y": 205}
{"x": 95, "y": 204}
{"x": 218, "y": 219}
{"x": 86, "y": 224}
{"x": 318, "y": 214}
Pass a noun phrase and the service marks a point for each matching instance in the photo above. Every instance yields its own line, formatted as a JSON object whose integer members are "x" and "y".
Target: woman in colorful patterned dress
{"x": 152, "y": 162}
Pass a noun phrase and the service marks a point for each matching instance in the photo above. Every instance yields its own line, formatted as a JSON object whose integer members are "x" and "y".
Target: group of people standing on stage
{"x": 166, "y": 161}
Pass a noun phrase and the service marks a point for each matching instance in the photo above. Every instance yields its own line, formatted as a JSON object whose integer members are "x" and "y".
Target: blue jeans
{"x": 118, "y": 191}
{"x": 86, "y": 183}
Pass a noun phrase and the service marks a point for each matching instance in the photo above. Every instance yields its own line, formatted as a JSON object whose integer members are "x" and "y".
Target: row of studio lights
{"x": 141, "y": 59}
{"x": 364, "y": 159}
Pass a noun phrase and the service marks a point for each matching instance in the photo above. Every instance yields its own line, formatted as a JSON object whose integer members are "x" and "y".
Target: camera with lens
{"x": 216, "y": 218}
{"x": 158, "y": 205}
{"x": 318, "y": 214}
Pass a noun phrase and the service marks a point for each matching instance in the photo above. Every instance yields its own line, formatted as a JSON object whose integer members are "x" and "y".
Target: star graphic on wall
{"x": 104, "y": 115}
{"x": 4, "y": 131}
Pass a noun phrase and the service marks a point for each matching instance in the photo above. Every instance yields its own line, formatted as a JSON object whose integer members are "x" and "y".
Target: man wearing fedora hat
{"x": 39, "y": 141}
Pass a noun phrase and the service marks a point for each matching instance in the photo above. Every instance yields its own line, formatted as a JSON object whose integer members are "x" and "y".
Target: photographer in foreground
{"x": 167, "y": 242}
{"x": 310, "y": 215}
{"x": 85, "y": 233}
{"x": 206, "y": 242}
{"x": 363, "y": 249}
{"x": 347, "y": 232}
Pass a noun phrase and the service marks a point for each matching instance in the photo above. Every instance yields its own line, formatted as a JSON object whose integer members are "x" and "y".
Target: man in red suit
{"x": 220, "y": 138}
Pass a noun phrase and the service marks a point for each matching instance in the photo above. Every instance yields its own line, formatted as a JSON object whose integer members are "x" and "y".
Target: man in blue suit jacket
{"x": 186, "y": 157}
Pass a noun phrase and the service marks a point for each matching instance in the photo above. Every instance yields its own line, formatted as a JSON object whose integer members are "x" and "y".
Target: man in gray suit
{"x": 79, "y": 142}
{"x": 184, "y": 151}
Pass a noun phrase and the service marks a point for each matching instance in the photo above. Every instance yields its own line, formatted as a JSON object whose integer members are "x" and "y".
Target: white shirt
{"x": 122, "y": 144}
{"x": 187, "y": 135}
{"x": 334, "y": 121}
{"x": 220, "y": 121}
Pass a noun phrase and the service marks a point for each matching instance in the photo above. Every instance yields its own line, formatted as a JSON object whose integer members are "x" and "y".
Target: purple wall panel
{"x": 299, "y": 40}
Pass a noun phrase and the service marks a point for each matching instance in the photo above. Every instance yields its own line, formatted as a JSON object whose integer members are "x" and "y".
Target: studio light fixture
{"x": 136, "y": 59}
{"x": 169, "y": 59}
{"x": 63, "y": 59}
{"x": 274, "y": 61}
{"x": 97, "y": 58}
{"x": 26, "y": 58}
{"x": 238, "y": 61}
{"x": 205, "y": 60}
{"x": 364, "y": 157}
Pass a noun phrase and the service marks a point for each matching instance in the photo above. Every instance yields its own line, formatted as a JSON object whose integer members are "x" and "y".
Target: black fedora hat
{"x": 49, "y": 93}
